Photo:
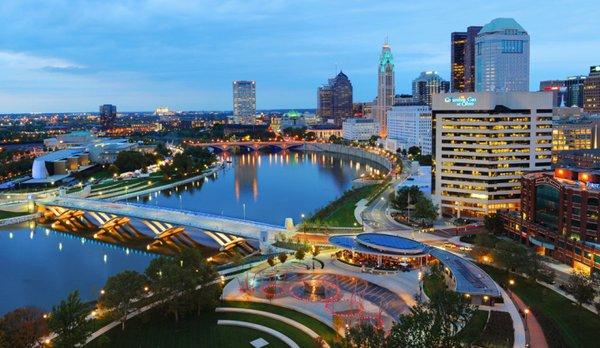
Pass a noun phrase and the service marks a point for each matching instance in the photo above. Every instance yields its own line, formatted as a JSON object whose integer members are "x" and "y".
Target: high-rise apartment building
{"x": 574, "y": 92}
{"x": 410, "y": 125}
{"x": 334, "y": 100}
{"x": 428, "y": 84}
{"x": 244, "y": 101}
{"x": 483, "y": 144}
{"x": 502, "y": 57}
{"x": 108, "y": 115}
{"x": 591, "y": 91}
{"x": 386, "y": 90}
{"x": 462, "y": 64}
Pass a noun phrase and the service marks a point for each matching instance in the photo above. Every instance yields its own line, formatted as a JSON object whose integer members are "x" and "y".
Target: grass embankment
{"x": 340, "y": 212}
{"x": 472, "y": 331}
{"x": 155, "y": 329}
{"x": 9, "y": 214}
{"x": 320, "y": 328}
{"x": 565, "y": 324}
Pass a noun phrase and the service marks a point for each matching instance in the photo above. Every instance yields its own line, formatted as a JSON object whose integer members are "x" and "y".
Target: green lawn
{"x": 340, "y": 213}
{"x": 498, "y": 331}
{"x": 472, "y": 331}
{"x": 564, "y": 323}
{"x": 155, "y": 329}
{"x": 320, "y": 328}
{"x": 8, "y": 214}
{"x": 433, "y": 283}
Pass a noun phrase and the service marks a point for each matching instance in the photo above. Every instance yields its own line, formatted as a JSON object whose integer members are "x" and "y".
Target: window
{"x": 576, "y": 199}
{"x": 479, "y": 47}
{"x": 546, "y": 204}
{"x": 593, "y": 201}
{"x": 512, "y": 46}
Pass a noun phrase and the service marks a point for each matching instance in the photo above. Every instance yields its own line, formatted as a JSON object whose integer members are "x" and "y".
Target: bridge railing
{"x": 193, "y": 213}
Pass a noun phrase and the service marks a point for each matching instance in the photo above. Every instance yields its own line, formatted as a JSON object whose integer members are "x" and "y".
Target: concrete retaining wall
{"x": 19, "y": 219}
{"x": 350, "y": 151}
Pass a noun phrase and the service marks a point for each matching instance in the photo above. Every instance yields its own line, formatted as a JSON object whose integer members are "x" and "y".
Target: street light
{"x": 511, "y": 282}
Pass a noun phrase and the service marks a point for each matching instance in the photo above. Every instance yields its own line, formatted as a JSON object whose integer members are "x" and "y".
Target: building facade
{"x": 325, "y": 102}
{"x": 386, "y": 89}
{"x": 502, "y": 57}
{"x": 558, "y": 90}
{"x": 574, "y": 92}
{"x": 588, "y": 159}
{"x": 108, "y": 115}
{"x": 483, "y": 144}
{"x": 428, "y": 84}
{"x": 575, "y": 135}
{"x": 325, "y": 131}
{"x": 591, "y": 91}
{"x": 359, "y": 129}
{"x": 559, "y": 216}
{"x": 244, "y": 101}
{"x": 410, "y": 125}
{"x": 462, "y": 60}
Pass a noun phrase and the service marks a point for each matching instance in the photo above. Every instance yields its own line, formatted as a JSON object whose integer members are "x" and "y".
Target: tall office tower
{"x": 591, "y": 91}
{"x": 574, "y": 93}
{"x": 463, "y": 60}
{"x": 410, "y": 125}
{"x": 325, "y": 103}
{"x": 108, "y": 115}
{"x": 557, "y": 88}
{"x": 483, "y": 143}
{"x": 342, "y": 98}
{"x": 244, "y": 101}
{"x": 386, "y": 90}
{"x": 334, "y": 100}
{"x": 502, "y": 57}
{"x": 458, "y": 40}
{"x": 428, "y": 84}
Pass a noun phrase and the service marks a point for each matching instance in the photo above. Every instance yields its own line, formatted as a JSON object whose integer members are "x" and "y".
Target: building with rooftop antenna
{"x": 386, "y": 90}
{"x": 502, "y": 57}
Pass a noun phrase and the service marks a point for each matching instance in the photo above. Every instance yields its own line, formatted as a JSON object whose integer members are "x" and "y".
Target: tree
{"x": 509, "y": 255}
{"x": 67, "y": 320}
{"x": 493, "y": 224}
{"x": 315, "y": 251}
{"x": 365, "y": 335}
{"x": 185, "y": 281}
{"x": 412, "y": 329}
{"x": 425, "y": 209}
{"x": 161, "y": 150}
{"x": 299, "y": 255}
{"x": 119, "y": 292}
{"x": 414, "y": 151}
{"x": 24, "y": 327}
{"x": 373, "y": 140}
{"x": 271, "y": 260}
{"x": 282, "y": 257}
{"x": 581, "y": 288}
{"x": 407, "y": 195}
{"x": 113, "y": 169}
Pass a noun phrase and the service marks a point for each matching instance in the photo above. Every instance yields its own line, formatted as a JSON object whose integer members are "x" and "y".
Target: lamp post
{"x": 244, "y": 208}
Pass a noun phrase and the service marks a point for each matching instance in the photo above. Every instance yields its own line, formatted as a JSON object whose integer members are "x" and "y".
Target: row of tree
{"x": 191, "y": 160}
{"x": 432, "y": 324}
{"x": 129, "y": 161}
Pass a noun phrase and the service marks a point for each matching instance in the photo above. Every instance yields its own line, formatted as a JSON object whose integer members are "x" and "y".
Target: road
{"x": 375, "y": 217}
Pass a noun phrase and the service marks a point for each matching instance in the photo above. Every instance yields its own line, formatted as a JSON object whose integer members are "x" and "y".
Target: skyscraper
{"x": 458, "y": 41}
{"x": 502, "y": 57}
{"x": 591, "y": 91}
{"x": 462, "y": 65}
{"x": 108, "y": 115}
{"x": 428, "y": 84}
{"x": 574, "y": 93}
{"x": 334, "y": 100}
{"x": 386, "y": 90}
{"x": 557, "y": 88}
{"x": 244, "y": 101}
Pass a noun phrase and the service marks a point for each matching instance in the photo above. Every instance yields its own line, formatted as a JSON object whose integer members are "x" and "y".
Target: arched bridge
{"x": 251, "y": 145}
{"x": 161, "y": 220}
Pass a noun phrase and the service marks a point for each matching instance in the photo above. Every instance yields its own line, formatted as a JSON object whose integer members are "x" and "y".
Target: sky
{"x": 73, "y": 55}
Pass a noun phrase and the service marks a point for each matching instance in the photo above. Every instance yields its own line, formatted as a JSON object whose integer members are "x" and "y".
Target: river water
{"x": 40, "y": 266}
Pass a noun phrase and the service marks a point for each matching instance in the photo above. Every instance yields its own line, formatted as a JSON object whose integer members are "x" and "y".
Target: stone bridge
{"x": 251, "y": 145}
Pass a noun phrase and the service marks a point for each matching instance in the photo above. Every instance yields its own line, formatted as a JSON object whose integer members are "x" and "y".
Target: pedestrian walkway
{"x": 534, "y": 333}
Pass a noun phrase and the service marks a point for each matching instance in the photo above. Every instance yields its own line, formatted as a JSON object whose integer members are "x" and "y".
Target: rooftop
{"x": 500, "y": 25}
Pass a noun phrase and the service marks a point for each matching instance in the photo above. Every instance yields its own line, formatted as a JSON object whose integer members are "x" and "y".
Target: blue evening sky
{"x": 72, "y": 55}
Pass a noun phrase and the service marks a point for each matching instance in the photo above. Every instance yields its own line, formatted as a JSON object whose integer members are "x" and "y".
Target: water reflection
{"x": 41, "y": 266}
{"x": 267, "y": 187}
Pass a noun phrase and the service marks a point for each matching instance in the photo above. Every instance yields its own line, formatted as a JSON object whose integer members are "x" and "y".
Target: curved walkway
{"x": 534, "y": 333}
{"x": 262, "y": 328}
{"x": 281, "y": 318}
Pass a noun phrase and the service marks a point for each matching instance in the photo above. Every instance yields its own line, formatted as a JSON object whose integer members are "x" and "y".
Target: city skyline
{"x": 185, "y": 55}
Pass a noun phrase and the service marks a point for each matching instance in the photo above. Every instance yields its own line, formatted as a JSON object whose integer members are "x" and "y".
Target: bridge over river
{"x": 76, "y": 214}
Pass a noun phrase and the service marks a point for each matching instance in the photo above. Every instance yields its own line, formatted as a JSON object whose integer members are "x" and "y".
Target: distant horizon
{"x": 74, "y": 55}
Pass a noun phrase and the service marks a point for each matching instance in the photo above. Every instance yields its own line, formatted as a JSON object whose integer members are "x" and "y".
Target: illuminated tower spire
{"x": 386, "y": 90}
